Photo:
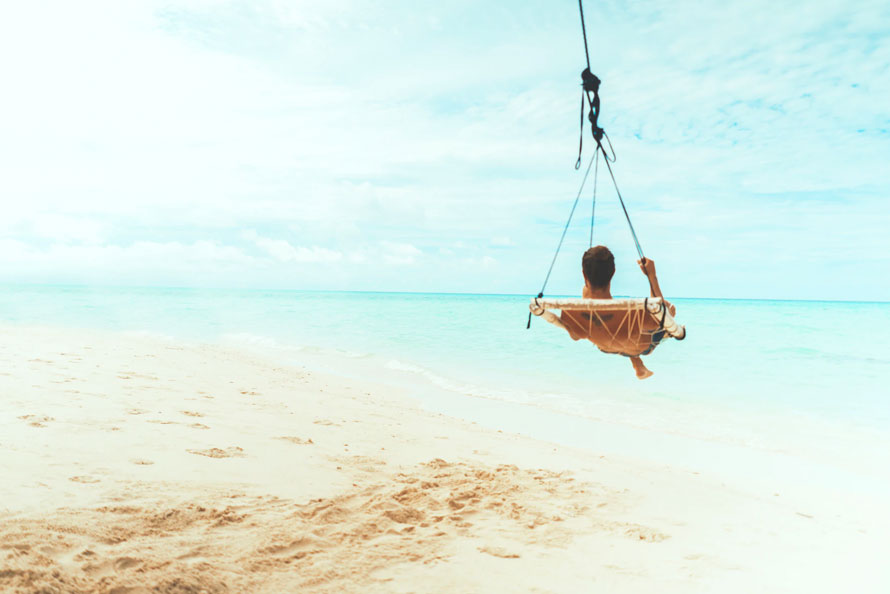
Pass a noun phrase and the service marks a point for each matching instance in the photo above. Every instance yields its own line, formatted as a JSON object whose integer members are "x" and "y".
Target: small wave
{"x": 150, "y": 334}
{"x": 459, "y": 387}
{"x": 247, "y": 339}
{"x": 334, "y": 351}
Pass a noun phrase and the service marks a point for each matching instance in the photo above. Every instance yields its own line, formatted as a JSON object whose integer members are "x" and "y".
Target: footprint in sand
{"x": 84, "y": 554}
{"x": 200, "y": 551}
{"x": 137, "y": 411}
{"x": 37, "y": 420}
{"x": 296, "y": 440}
{"x": 199, "y": 426}
{"x": 498, "y": 552}
{"x": 83, "y": 479}
{"x": 325, "y": 422}
{"x": 233, "y": 452}
{"x": 191, "y": 413}
{"x": 644, "y": 533}
{"x": 126, "y": 563}
{"x": 142, "y": 462}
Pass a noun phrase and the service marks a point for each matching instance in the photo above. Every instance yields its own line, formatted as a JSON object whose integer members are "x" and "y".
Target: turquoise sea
{"x": 780, "y": 375}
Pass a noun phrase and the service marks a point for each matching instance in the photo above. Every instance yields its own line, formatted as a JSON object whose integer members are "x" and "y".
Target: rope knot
{"x": 589, "y": 81}
{"x": 590, "y": 87}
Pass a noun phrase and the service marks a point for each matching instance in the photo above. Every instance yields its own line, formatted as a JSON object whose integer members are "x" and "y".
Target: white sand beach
{"x": 136, "y": 464}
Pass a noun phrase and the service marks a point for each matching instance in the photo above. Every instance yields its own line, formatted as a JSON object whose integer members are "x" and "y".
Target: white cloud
{"x": 61, "y": 228}
{"x": 283, "y": 251}
{"x": 400, "y": 254}
{"x": 370, "y": 136}
{"x": 199, "y": 262}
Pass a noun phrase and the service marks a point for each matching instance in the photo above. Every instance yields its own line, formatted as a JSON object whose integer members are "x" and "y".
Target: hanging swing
{"x": 635, "y": 310}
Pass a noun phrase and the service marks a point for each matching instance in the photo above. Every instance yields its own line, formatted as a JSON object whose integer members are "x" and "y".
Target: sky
{"x": 430, "y": 146}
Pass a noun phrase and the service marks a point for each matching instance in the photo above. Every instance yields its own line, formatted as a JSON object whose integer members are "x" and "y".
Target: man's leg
{"x": 640, "y": 368}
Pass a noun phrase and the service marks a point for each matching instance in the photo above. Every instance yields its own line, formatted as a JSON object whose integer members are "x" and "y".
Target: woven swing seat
{"x": 635, "y": 311}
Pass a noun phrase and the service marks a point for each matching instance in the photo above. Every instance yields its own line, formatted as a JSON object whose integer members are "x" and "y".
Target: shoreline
{"x": 619, "y": 425}
{"x": 113, "y": 444}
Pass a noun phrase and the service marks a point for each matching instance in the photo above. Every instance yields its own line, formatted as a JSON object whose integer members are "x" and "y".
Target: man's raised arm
{"x": 648, "y": 268}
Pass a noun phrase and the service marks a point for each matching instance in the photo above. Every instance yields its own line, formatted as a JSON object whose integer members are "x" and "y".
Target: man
{"x": 608, "y": 330}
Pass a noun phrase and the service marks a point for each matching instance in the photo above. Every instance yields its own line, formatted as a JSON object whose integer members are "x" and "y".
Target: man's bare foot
{"x": 644, "y": 373}
{"x": 640, "y": 368}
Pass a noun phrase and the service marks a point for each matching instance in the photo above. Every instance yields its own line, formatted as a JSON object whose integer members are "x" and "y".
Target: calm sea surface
{"x": 748, "y": 366}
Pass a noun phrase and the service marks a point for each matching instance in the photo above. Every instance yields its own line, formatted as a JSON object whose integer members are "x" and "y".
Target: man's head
{"x": 598, "y": 265}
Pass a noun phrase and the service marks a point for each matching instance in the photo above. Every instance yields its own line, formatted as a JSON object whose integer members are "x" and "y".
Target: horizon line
{"x": 379, "y": 292}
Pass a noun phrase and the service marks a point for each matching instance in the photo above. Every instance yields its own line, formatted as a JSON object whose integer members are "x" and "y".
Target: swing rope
{"x": 590, "y": 90}
{"x": 563, "y": 236}
{"x": 624, "y": 208}
{"x": 596, "y": 171}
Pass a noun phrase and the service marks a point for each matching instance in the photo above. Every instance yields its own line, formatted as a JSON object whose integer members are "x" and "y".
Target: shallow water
{"x": 774, "y": 374}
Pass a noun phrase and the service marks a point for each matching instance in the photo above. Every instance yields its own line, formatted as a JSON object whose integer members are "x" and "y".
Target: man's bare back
{"x": 609, "y": 331}
{"x": 615, "y": 332}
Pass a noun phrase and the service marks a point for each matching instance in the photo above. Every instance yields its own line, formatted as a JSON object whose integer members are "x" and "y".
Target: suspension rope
{"x": 590, "y": 89}
{"x": 623, "y": 207}
{"x": 563, "y": 236}
{"x": 590, "y": 86}
{"x": 584, "y": 33}
{"x": 566, "y": 228}
{"x": 596, "y": 171}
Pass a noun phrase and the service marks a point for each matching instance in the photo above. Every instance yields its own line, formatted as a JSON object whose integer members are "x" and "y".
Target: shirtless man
{"x": 608, "y": 331}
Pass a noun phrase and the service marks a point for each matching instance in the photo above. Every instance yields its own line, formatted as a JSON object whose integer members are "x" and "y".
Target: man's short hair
{"x": 598, "y": 265}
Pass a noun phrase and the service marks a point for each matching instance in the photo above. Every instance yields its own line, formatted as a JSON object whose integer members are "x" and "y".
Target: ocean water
{"x": 772, "y": 374}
